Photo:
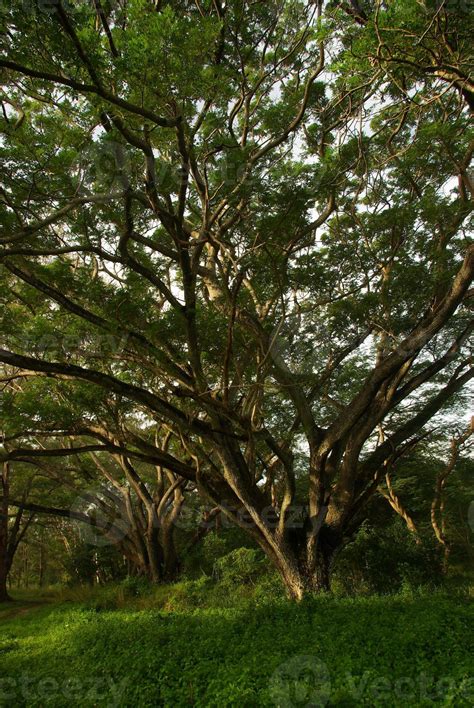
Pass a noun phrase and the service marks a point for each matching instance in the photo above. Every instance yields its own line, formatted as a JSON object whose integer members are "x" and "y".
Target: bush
{"x": 243, "y": 566}
{"x": 91, "y": 564}
{"x": 136, "y": 586}
{"x": 269, "y": 588}
{"x": 200, "y": 558}
{"x": 187, "y": 595}
{"x": 386, "y": 562}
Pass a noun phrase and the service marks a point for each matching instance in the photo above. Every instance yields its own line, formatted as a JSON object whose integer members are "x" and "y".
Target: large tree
{"x": 246, "y": 224}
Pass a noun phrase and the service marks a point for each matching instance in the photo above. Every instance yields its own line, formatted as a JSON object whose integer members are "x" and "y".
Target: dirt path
{"x": 24, "y": 608}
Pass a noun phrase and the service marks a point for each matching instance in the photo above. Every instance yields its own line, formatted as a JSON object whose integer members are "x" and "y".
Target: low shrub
{"x": 386, "y": 562}
{"x": 243, "y": 566}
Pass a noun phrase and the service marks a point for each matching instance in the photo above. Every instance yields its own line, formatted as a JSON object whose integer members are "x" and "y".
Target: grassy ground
{"x": 185, "y": 647}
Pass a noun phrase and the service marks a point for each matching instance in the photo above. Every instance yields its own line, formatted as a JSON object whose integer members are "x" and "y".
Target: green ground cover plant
{"x": 187, "y": 646}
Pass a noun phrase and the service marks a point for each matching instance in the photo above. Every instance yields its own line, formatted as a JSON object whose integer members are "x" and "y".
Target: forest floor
{"x": 112, "y": 650}
{"x": 18, "y": 608}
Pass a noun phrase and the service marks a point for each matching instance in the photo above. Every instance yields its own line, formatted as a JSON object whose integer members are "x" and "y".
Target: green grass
{"x": 188, "y": 648}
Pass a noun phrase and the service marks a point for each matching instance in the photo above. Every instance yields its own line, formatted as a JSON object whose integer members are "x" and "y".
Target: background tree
{"x": 460, "y": 443}
{"x": 114, "y": 501}
{"x": 14, "y": 524}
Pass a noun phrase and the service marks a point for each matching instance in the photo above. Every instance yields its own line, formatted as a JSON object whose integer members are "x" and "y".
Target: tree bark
{"x": 321, "y": 579}
{"x": 299, "y": 582}
{"x": 301, "y": 570}
{"x": 41, "y": 566}
{"x": 438, "y": 517}
{"x": 155, "y": 556}
{"x": 4, "y": 555}
{"x": 4, "y": 596}
{"x": 170, "y": 557}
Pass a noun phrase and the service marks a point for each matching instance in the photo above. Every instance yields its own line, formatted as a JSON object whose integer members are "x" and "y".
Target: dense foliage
{"x": 407, "y": 650}
{"x": 235, "y": 272}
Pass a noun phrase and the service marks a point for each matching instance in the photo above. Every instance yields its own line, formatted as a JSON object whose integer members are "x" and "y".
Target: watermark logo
{"x": 105, "y": 163}
{"x": 99, "y": 517}
{"x": 67, "y": 346}
{"x": 305, "y": 681}
{"x": 301, "y": 681}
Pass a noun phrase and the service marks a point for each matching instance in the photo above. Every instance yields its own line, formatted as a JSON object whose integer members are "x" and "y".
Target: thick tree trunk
{"x": 171, "y": 562}
{"x": 168, "y": 520}
{"x": 155, "y": 556}
{"x": 294, "y": 583}
{"x": 300, "y": 575}
{"x": 298, "y": 582}
{"x": 4, "y": 596}
{"x": 321, "y": 579}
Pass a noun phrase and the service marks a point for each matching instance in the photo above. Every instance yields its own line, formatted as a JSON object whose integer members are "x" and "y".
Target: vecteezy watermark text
{"x": 305, "y": 680}
{"x": 94, "y": 688}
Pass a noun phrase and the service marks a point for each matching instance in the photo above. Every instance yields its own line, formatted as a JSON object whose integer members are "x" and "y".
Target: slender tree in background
{"x": 13, "y": 526}
{"x": 459, "y": 442}
{"x": 244, "y": 225}
{"x": 4, "y": 536}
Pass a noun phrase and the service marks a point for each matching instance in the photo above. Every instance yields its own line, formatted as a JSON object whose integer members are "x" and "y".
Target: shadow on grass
{"x": 18, "y": 608}
{"x": 370, "y": 651}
